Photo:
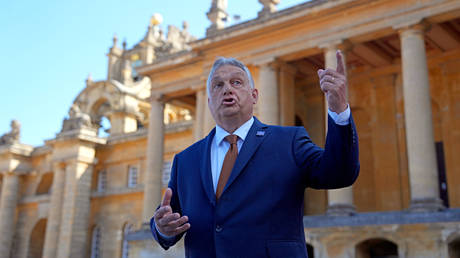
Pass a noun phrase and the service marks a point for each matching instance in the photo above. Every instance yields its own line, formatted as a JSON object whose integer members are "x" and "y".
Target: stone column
{"x": 269, "y": 94}
{"x": 201, "y": 106}
{"x": 287, "y": 94}
{"x": 418, "y": 120}
{"x": 340, "y": 201}
{"x": 54, "y": 213}
{"x": 155, "y": 145}
{"x": 8, "y": 203}
{"x": 73, "y": 230}
{"x": 208, "y": 123}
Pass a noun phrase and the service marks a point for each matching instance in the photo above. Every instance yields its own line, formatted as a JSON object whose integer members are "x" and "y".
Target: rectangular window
{"x": 132, "y": 176}
{"x": 442, "y": 178}
{"x": 95, "y": 243}
{"x": 102, "y": 181}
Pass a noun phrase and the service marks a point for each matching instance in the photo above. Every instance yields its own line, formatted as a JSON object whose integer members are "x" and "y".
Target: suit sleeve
{"x": 335, "y": 166}
{"x": 175, "y": 205}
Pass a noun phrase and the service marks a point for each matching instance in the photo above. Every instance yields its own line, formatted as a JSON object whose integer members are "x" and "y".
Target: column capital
{"x": 418, "y": 26}
{"x": 343, "y": 44}
{"x": 157, "y": 97}
{"x": 9, "y": 173}
{"x": 287, "y": 68}
{"x": 260, "y": 61}
{"x": 270, "y": 61}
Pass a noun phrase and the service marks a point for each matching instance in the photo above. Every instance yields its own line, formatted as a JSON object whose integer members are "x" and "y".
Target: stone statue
{"x": 76, "y": 120}
{"x": 12, "y": 136}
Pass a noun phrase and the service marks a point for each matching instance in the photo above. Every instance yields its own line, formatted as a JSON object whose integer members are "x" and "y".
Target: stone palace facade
{"x": 91, "y": 190}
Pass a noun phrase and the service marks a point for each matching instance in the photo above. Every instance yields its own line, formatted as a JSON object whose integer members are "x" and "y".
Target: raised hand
{"x": 333, "y": 83}
{"x": 168, "y": 223}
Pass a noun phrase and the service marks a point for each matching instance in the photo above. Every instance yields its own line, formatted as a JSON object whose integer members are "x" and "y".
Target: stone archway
{"x": 37, "y": 239}
{"x": 376, "y": 248}
{"x": 99, "y": 116}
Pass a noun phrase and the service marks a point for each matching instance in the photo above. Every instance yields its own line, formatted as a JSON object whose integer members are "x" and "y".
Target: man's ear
{"x": 255, "y": 95}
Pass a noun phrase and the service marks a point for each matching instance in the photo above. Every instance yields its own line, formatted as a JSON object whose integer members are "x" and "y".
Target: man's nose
{"x": 228, "y": 89}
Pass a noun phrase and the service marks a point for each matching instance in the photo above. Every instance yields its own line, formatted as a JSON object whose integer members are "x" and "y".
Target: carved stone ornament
{"x": 13, "y": 135}
{"x": 76, "y": 120}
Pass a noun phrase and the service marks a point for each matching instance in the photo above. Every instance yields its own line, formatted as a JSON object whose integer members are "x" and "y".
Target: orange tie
{"x": 229, "y": 161}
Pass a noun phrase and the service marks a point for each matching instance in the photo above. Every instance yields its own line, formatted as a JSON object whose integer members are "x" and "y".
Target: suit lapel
{"x": 255, "y": 137}
{"x": 205, "y": 168}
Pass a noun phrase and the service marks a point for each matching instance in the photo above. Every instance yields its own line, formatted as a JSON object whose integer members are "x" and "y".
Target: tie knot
{"x": 232, "y": 138}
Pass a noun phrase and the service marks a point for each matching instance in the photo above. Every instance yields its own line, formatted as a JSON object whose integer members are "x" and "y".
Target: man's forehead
{"x": 228, "y": 70}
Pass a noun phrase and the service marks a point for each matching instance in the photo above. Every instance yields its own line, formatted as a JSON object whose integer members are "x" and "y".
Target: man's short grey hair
{"x": 221, "y": 61}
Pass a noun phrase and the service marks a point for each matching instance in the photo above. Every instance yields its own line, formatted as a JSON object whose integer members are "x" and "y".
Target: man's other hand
{"x": 168, "y": 223}
{"x": 333, "y": 83}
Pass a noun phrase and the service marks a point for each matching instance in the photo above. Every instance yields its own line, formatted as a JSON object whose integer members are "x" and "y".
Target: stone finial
{"x": 124, "y": 44}
{"x": 217, "y": 15}
{"x": 269, "y": 7}
{"x": 184, "y": 25}
{"x": 186, "y": 36}
{"x": 156, "y": 19}
{"x": 13, "y": 135}
{"x": 89, "y": 79}
{"x": 115, "y": 40}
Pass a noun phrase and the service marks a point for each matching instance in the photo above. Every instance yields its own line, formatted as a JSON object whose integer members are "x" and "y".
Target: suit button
{"x": 218, "y": 228}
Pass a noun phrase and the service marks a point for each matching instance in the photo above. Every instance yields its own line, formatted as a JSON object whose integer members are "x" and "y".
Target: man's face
{"x": 231, "y": 97}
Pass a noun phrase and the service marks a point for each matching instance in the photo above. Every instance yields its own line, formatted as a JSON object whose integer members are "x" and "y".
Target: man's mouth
{"x": 228, "y": 101}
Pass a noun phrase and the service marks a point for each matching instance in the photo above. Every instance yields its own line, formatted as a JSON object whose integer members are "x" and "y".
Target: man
{"x": 242, "y": 195}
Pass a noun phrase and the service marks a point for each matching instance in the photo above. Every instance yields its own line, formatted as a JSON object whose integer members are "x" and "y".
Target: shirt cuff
{"x": 167, "y": 238}
{"x": 342, "y": 118}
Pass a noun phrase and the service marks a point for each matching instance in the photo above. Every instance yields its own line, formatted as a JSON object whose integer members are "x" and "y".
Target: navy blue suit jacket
{"x": 261, "y": 208}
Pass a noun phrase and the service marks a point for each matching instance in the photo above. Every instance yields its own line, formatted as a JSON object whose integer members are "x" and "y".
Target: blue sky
{"x": 49, "y": 48}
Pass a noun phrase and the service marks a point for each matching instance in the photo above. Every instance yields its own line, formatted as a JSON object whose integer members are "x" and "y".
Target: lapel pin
{"x": 260, "y": 133}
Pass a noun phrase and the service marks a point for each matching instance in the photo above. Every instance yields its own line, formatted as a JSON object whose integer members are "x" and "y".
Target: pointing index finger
{"x": 167, "y": 198}
{"x": 340, "y": 65}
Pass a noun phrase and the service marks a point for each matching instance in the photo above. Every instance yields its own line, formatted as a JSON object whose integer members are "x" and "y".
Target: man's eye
{"x": 236, "y": 82}
{"x": 219, "y": 84}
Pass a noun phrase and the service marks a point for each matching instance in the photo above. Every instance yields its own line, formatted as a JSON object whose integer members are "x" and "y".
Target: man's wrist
{"x": 341, "y": 118}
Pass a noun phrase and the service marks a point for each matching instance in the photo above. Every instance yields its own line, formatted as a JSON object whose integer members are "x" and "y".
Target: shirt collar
{"x": 241, "y": 132}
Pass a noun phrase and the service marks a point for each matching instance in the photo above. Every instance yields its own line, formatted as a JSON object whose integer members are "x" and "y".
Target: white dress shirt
{"x": 219, "y": 148}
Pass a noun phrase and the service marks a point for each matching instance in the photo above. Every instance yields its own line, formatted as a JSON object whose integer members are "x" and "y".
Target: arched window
{"x": 132, "y": 176}
{"x": 104, "y": 127}
{"x": 37, "y": 239}
{"x": 454, "y": 248}
{"x": 96, "y": 243}
{"x": 125, "y": 246}
{"x": 376, "y": 248}
{"x": 102, "y": 181}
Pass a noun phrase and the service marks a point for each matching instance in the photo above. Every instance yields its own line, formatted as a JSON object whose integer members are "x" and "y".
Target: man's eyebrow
{"x": 233, "y": 74}
{"x": 216, "y": 78}
{"x": 238, "y": 73}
